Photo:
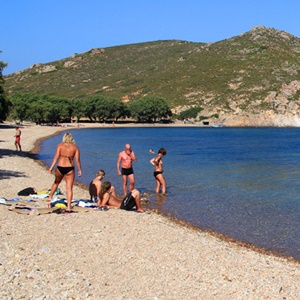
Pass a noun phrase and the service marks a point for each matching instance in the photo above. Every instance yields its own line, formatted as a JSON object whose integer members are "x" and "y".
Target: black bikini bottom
{"x": 64, "y": 170}
{"x": 156, "y": 173}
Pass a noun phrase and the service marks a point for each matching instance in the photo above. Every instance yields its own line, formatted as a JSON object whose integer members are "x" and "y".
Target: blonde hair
{"x": 68, "y": 138}
{"x": 101, "y": 172}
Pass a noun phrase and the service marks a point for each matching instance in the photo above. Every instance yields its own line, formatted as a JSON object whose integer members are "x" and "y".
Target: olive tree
{"x": 109, "y": 108}
{"x": 89, "y": 107}
{"x": 149, "y": 109}
{"x": 78, "y": 108}
{"x": 21, "y": 105}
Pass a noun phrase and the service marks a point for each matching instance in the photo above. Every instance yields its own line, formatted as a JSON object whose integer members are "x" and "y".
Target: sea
{"x": 239, "y": 182}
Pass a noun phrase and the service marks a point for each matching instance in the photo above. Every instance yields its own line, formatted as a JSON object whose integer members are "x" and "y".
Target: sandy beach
{"x": 116, "y": 254}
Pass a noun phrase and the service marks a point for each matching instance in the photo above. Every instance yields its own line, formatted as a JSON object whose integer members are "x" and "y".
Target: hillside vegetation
{"x": 255, "y": 73}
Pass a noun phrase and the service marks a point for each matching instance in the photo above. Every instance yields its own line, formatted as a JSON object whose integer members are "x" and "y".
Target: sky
{"x": 43, "y": 31}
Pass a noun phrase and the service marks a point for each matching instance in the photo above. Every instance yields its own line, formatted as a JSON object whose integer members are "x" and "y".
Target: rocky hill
{"x": 248, "y": 80}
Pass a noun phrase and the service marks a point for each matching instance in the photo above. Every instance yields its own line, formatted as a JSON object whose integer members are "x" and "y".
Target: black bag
{"x": 128, "y": 202}
{"x": 26, "y": 192}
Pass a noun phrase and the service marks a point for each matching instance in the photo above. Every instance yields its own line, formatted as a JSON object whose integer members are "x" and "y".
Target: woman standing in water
{"x": 158, "y": 171}
{"x": 65, "y": 154}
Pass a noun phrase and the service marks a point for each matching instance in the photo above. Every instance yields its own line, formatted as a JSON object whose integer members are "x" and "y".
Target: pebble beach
{"x": 117, "y": 254}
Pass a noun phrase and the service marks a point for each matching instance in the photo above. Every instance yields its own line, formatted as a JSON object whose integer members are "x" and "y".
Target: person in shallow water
{"x": 128, "y": 203}
{"x": 158, "y": 171}
{"x": 125, "y": 158}
{"x": 65, "y": 154}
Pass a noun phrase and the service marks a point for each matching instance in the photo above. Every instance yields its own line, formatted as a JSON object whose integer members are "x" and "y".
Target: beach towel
{"x": 61, "y": 203}
{"x": 3, "y": 201}
{"x": 26, "y": 210}
{"x": 34, "y": 211}
{"x": 40, "y": 196}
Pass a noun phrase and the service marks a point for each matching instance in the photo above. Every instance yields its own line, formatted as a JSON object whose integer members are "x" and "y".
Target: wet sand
{"x": 117, "y": 254}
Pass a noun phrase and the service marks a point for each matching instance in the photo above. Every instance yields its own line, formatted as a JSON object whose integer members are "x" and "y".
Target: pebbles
{"x": 121, "y": 255}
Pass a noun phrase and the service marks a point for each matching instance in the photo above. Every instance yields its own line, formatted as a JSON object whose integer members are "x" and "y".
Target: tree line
{"x": 97, "y": 108}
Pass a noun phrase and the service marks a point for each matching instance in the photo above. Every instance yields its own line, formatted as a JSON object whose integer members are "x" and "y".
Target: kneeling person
{"x": 130, "y": 201}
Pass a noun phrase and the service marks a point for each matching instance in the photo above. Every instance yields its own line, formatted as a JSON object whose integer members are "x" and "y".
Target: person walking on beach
{"x": 128, "y": 203}
{"x": 95, "y": 186}
{"x": 125, "y": 158}
{"x": 65, "y": 154}
{"x": 158, "y": 171}
{"x": 18, "y": 139}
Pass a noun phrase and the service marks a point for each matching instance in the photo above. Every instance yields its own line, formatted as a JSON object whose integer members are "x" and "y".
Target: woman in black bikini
{"x": 158, "y": 171}
{"x": 65, "y": 154}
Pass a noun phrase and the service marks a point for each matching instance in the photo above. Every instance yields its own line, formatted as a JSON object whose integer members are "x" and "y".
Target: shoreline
{"x": 194, "y": 256}
{"x": 35, "y": 150}
{"x": 180, "y": 222}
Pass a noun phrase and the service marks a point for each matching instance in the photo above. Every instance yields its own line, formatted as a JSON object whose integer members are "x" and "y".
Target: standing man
{"x": 125, "y": 158}
{"x": 18, "y": 139}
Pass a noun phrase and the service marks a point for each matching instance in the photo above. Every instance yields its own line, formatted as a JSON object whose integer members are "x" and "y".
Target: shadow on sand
{"x": 6, "y": 174}
{"x": 6, "y": 126}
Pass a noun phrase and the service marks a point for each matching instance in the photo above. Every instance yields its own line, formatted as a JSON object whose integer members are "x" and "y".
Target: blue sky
{"x": 43, "y": 31}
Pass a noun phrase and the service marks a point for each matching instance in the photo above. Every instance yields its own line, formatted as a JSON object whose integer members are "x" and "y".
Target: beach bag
{"x": 26, "y": 192}
{"x": 128, "y": 202}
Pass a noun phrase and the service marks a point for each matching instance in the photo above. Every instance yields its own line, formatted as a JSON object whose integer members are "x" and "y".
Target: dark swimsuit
{"x": 156, "y": 173}
{"x": 128, "y": 202}
{"x": 127, "y": 172}
{"x": 66, "y": 170}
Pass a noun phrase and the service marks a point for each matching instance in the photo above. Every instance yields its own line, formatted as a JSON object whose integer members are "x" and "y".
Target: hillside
{"x": 250, "y": 79}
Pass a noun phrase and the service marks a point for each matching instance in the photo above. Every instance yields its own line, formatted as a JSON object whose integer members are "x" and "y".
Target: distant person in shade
{"x": 95, "y": 186}
{"x": 125, "y": 159}
{"x": 65, "y": 154}
{"x": 18, "y": 139}
{"x": 158, "y": 171}
{"x": 128, "y": 203}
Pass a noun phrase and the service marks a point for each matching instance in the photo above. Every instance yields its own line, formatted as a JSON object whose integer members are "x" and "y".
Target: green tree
{"x": 78, "y": 110}
{"x": 38, "y": 110}
{"x": 41, "y": 108}
{"x": 21, "y": 105}
{"x": 149, "y": 109}
{"x": 101, "y": 108}
{"x": 59, "y": 108}
{"x": 109, "y": 108}
{"x": 89, "y": 107}
{"x": 118, "y": 109}
{"x": 4, "y": 102}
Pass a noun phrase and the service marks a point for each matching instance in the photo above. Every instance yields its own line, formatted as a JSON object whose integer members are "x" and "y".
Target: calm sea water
{"x": 242, "y": 182}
